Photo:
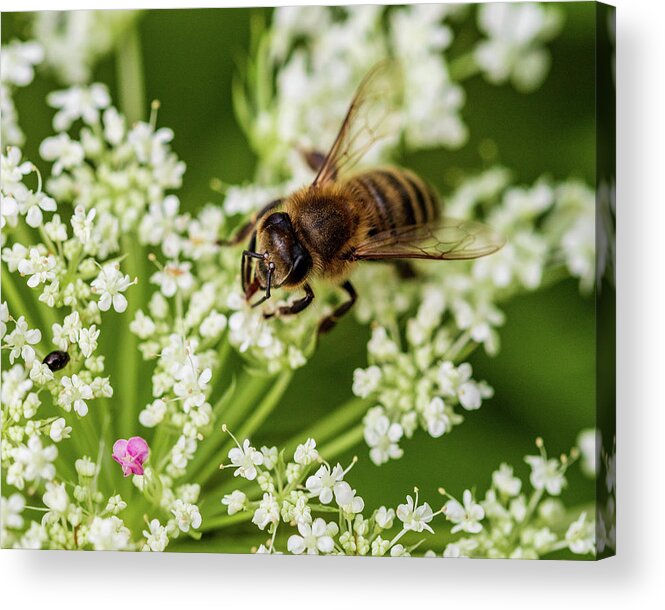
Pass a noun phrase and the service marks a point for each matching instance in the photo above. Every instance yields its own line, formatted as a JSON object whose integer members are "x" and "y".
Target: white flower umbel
{"x": 513, "y": 522}
{"x": 514, "y": 49}
{"x": 74, "y": 41}
{"x": 292, "y": 494}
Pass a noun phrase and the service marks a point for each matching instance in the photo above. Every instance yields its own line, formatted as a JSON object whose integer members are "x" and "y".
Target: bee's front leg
{"x": 296, "y": 306}
{"x": 329, "y": 322}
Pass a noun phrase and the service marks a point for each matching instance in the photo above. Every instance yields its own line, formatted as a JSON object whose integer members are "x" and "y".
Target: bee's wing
{"x": 443, "y": 239}
{"x": 366, "y": 120}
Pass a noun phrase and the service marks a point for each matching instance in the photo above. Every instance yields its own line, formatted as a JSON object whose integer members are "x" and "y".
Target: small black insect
{"x": 56, "y": 360}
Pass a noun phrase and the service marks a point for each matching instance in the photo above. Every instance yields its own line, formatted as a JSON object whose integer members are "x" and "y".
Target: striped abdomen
{"x": 397, "y": 196}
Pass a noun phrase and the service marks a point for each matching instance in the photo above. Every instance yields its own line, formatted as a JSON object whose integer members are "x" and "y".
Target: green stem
{"x": 339, "y": 419}
{"x": 129, "y": 73}
{"x": 128, "y": 364}
{"x": 464, "y": 67}
{"x": 224, "y": 521}
{"x": 257, "y": 417}
{"x": 343, "y": 443}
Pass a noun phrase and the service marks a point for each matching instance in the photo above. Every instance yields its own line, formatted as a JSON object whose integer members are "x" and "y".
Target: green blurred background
{"x": 544, "y": 374}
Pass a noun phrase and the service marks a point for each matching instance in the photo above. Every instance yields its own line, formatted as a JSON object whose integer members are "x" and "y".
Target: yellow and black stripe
{"x": 399, "y": 198}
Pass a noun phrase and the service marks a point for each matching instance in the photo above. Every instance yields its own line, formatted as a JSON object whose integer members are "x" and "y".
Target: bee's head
{"x": 281, "y": 260}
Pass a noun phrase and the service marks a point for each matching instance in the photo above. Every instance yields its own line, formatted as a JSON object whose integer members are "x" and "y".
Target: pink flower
{"x": 131, "y": 454}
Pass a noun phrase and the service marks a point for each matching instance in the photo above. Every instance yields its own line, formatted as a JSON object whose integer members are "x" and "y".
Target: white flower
{"x": 75, "y": 393}
{"x": 156, "y": 536}
{"x": 174, "y": 276}
{"x": 163, "y": 225}
{"x": 187, "y": 515}
{"x": 4, "y": 318}
{"x": 68, "y": 332}
{"x": 115, "y": 504}
{"x": 513, "y": 49}
{"x": 236, "y": 501}
{"x": 314, "y": 539}
{"x": 245, "y": 459}
{"x": 504, "y": 480}
{"x": 153, "y": 413}
{"x": 213, "y": 325}
{"x": 191, "y": 386}
{"x": 462, "y": 548}
{"x": 267, "y": 512}
{"x": 18, "y": 60}
{"x": 270, "y": 457}
{"x": 399, "y": 550}
{"x": 347, "y": 499}
{"x": 59, "y": 430}
{"x": 108, "y": 534}
{"x": 20, "y": 340}
{"x": 66, "y": 153}
{"x": 78, "y": 103}
{"x": 415, "y": 517}
{"x": 382, "y": 437}
{"x": 546, "y": 474}
{"x": 142, "y": 326}
{"x": 109, "y": 285}
{"x": 82, "y": 224}
{"x": 40, "y": 268}
{"x": 88, "y": 340}
{"x": 183, "y": 451}
{"x": 323, "y": 482}
{"x": 32, "y": 205}
{"x": 438, "y": 421}
{"x": 56, "y": 229}
{"x": 384, "y": 517}
{"x": 55, "y": 497}
{"x": 306, "y": 454}
{"x": 590, "y": 443}
{"x": 85, "y": 467}
{"x": 366, "y": 381}
{"x": 36, "y": 460}
{"x": 10, "y": 511}
{"x": 466, "y": 518}
{"x": 581, "y": 536}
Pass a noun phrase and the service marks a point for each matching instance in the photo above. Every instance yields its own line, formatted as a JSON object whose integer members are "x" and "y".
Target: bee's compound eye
{"x": 300, "y": 268}
{"x": 56, "y": 360}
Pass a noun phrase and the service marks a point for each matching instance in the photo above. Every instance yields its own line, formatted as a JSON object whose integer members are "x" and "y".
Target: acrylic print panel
{"x": 184, "y": 367}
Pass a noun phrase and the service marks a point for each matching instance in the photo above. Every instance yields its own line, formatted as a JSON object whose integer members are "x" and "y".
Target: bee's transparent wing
{"x": 366, "y": 121}
{"x": 443, "y": 239}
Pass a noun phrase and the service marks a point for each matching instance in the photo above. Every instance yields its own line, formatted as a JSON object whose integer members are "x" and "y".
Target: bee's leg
{"x": 243, "y": 233}
{"x": 329, "y": 322}
{"x": 295, "y": 307}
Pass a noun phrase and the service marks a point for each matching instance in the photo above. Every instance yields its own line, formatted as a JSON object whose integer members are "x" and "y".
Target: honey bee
{"x": 324, "y": 229}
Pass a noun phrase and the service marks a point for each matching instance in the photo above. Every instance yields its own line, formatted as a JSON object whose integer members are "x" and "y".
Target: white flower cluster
{"x": 111, "y": 171}
{"x": 419, "y": 379}
{"x": 326, "y": 52}
{"x": 511, "y": 523}
{"x": 295, "y": 493}
{"x": 79, "y": 516}
{"x": 74, "y": 41}
{"x": 513, "y": 49}
{"x": 419, "y": 387}
{"x": 17, "y": 63}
